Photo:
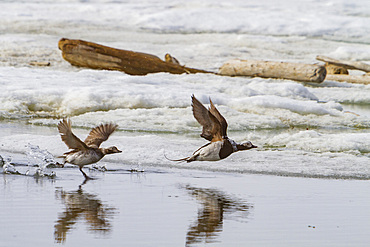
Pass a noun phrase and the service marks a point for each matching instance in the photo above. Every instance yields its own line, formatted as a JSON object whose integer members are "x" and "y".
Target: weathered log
{"x": 361, "y": 79}
{"x": 332, "y": 69}
{"x": 34, "y": 63}
{"x": 281, "y": 70}
{"x": 87, "y": 54}
{"x": 345, "y": 64}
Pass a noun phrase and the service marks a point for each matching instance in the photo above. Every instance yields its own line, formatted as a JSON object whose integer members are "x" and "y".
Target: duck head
{"x": 111, "y": 150}
{"x": 245, "y": 146}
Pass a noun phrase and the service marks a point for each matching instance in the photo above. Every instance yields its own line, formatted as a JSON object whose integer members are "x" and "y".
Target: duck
{"x": 88, "y": 151}
{"x": 215, "y": 131}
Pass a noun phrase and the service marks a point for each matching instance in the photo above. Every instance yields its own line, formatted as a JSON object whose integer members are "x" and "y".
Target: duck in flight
{"x": 88, "y": 151}
{"x": 214, "y": 130}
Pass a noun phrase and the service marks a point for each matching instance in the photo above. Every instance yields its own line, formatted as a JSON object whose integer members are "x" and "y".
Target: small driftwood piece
{"x": 340, "y": 71}
{"x": 332, "y": 69}
{"x": 280, "y": 70}
{"x": 345, "y": 64}
{"x": 360, "y": 79}
{"x": 34, "y": 63}
{"x": 91, "y": 55}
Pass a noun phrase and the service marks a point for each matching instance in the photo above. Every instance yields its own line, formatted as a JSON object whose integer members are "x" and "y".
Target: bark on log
{"x": 364, "y": 79}
{"x": 279, "y": 70}
{"x": 87, "y": 54}
{"x": 345, "y": 64}
{"x": 332, "y": 69}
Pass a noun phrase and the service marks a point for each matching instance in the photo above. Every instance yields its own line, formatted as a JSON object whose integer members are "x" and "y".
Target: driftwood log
{"x": 280, "y": 70}
{"x": 339, "y": 71}
{"x": 91, "y": 55}
{"x": 34, "y": 63}
{"x": 345, "y": 64}
{"x": 360, "y": 79}
{"x": 332, "y": 69}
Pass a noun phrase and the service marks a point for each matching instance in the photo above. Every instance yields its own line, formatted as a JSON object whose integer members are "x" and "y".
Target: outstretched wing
{"x": 72, "y": 141}
{"x": 219, "y": 117}
{"x": 99, "y": 134}
{"x": 211, "y": 126}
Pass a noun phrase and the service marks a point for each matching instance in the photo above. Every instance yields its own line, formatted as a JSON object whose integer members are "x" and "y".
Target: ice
{"x": 352, "y": 53}
{"x": 119, "y": 97}
{"x": 315, "y": 141}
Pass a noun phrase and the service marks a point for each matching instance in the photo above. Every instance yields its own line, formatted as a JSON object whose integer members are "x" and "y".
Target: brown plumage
{"x": 214, "y": 124}
{"x": 87, "y": 152}
{"x": 215, "y": 131}
{"x": 100, "y": 134}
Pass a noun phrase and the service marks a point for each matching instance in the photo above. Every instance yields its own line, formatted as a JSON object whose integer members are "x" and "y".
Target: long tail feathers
{"x": 183, "y": 159}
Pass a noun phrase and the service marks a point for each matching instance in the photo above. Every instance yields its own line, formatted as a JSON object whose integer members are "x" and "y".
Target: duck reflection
{"x": 82, "y": 206}
{"x": 215, "y": 205}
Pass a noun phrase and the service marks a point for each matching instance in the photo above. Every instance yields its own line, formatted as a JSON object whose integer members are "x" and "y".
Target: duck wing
{"x": 72, "y": 141}
{"x": 99, "y": 134}
{"x": 219, "y": 117}
{"x": 211, "y": 126}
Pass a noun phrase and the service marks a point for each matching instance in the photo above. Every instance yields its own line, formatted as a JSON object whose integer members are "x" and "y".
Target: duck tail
{"x": 183, "y": 159}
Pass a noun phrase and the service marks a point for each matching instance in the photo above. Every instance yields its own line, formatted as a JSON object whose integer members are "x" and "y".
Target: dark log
{"x": 91, "y": 55}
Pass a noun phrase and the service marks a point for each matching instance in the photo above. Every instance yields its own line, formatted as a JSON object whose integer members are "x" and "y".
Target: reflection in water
{"x": 82, "y": 206}
{"x": 215, "y": 205}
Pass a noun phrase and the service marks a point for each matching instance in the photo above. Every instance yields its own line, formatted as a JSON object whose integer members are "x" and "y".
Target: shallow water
{"x": 171, "y": 207}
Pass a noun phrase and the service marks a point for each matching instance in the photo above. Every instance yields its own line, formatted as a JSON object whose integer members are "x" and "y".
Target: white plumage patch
{"x": 210, "y": 152}
{"x": 82, "y": 158}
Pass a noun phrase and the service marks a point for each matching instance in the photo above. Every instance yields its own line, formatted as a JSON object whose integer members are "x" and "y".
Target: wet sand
{"x": 176, "y": 207}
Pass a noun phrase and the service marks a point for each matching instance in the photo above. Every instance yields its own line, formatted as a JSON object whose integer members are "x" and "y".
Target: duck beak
{"x": 119, "y": 151}
{"x": 253, "y": 146}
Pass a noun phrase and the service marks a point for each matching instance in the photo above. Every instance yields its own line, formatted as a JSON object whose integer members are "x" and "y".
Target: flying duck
{"x": 214, "y": 130}
{"x": 88, "y": 151}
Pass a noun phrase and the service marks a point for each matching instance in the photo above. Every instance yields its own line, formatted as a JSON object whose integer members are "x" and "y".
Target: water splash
{"x": 8, "y": 168}
{"x": 100, "y": 168}
{"x": 41, "y": 159}
{"x": 136, "y": 169}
